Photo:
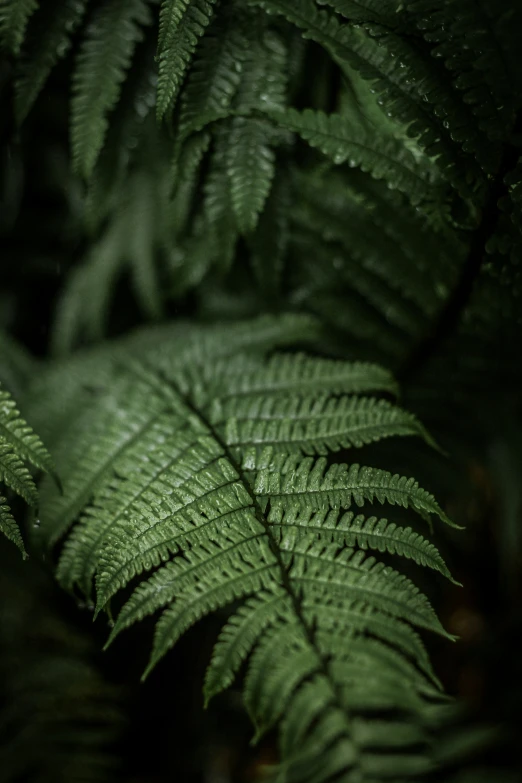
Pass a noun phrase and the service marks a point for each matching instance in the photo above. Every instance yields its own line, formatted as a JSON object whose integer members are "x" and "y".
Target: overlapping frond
{"x": 204, "y": 497}
{"x": 18, "y": 444}
{"x": 343, "y": 140}
{"x": 47, "y": 41}
{"x": 113, "y": 32}
{"x": 181, "y": 26}
{"x": 410, "y": 86}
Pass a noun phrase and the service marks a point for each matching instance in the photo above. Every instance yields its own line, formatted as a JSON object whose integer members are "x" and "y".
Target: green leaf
{"x": 16, "y": 432}
{"x": 182, "y": 23}
{"x": 106, "y": 53}
{"x": 9, "y": 527}
{"x": 345, "y": 141}
{"x": 185, "y": 480}
{"x": 251, "y": 168}
{"x": 14, "y": 16}
{"x": 48, "y": 41}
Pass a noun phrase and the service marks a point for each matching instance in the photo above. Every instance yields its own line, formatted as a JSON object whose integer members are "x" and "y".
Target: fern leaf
{"x": 182, "y": 23}
{"x": 142, "y": 215}
{"x": 84, "y": 468}
{"x": 297, "y": 373}
{"x": 186, "y": 178}
{"x": 215, "y": 75}
{"x": 253, "y": 570}
{"x": 270, "y": 241}
{"x": 160, "y": 498}
{"x": 367, "y": 10}
{"x": 338, "y": 612}
{"x": 240, "y": 556}
{"x": 309, "y": 483}
{"x": 9, "y": 527}
{"x": 416, "y": 95}
{"x": 364, "y": 532}
{"x": 386, "y": 590}
{"x": 15, "y": 475}
{"x": 251, "y": 170}
{"x": 14, "y": 17}
{"x": 342, "y": 140}
{"x": 217, "y": 208}
{"x": 312, "y": 425}
{"x": 284, "y": 670}
{"x": 239, "y": 636}
{"x": 16, "y": 432}
{"x": 18, "y": 442}
{"x": 49, "y": 40}
{"x": 113, "y": 32}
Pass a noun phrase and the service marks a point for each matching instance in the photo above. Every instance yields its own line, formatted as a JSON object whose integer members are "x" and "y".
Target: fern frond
{"x": 14, "y": 17}
{"x": 286, "y": 375}
{"x": 169, "y": 497}
{"x": 15, "y": 475}
{"x": 114, "y": 30}
{"x": 386, "y": 590}
{"x": 309, "y": 483}
{"x": 217, "y": 215}
{"x": 239, "y": 636}
{"x": 312, "y": 425}
{"x": 48, "y": 40}
{"x": 269, "y": 243}
{"x": 410, "y": 86}
{"x": 9, "y": 527}
{"x": 348, "y": 529}
{"x": 181, "y": 26}
{"x": 215, "y": 74}
{"x": 18, "y": 443}
{"x": 343, "y": 140}
{"x": 16, "y": 432}
{"x": 251, "y": 168}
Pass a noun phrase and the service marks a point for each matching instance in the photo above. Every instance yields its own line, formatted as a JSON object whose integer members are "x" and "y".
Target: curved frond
{"x": 345, "y": 141}
{"x": 16, "y": 432}
{"x": 14, "y": 17}
{"x": 410, "y": 86}
{"x": 348, "y": 529}
{"x": 310, "y": 483}
{"x": 181, "y": 26}
{"x": 48, "y": 40}
{"x": 8, "y": 525}
{"x": 18, "y": 444}
{"x": 203, "y": 497}
{"x": 106, "y": 53}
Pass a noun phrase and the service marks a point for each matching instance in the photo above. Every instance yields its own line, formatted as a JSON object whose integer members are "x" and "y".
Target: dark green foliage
{"x": 18, "y": 444}
{"x": 320, "y": 203}
{"x": 193, "y": 455}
